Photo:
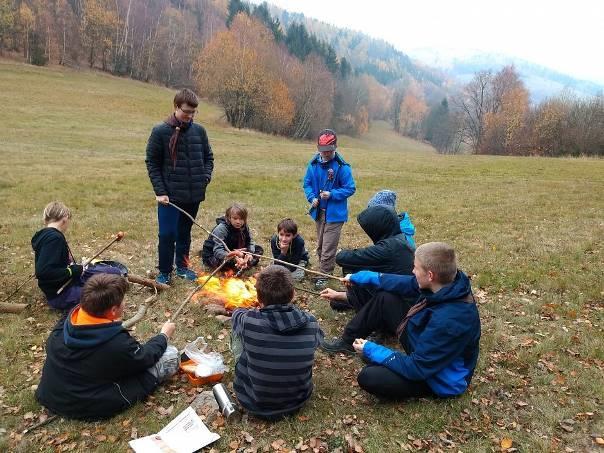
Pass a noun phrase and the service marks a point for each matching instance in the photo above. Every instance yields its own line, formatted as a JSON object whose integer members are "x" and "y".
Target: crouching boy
{"x": 287, "y": 245}
{"x": 94, "y": 369}
{"x": 274, "y": 347}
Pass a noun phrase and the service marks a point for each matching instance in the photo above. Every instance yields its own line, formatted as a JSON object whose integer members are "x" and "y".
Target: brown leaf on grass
{"x": 506, "y": 443}
{"x": 29, "y": 416}
{"x": 234, "y": 445}
{"x": 599, "y": 440}
{"x": 303, "y": 418}
{"x": 521, "y": 404}
{"x": 277, "y": 444}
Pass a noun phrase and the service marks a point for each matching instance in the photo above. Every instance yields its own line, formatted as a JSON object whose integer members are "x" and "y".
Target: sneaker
{"x": 337, "y": 345}
{"x": 164, "y": 278}
{"x": 320, "y": 283}
{"x": 186, "y": 273}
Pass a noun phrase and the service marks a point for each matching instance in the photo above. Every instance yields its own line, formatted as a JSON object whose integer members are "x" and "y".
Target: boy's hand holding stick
{"x": 118, "y": 237}
{"x": 295, "y": 265}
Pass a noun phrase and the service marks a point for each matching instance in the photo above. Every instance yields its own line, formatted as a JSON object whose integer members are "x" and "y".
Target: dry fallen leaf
{"x": 506, "y": 443}
{"x": 599, "y": 440}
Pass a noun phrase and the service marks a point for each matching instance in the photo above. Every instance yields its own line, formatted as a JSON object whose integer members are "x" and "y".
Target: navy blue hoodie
{"x": 94, "y": 371}
{"x": 441, "y": 341}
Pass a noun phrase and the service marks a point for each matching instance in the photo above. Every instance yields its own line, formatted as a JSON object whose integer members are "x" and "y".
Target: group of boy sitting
{"x": 94, "y": 369}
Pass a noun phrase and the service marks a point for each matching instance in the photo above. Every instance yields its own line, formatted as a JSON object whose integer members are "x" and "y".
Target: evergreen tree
{"x": 235, "y": 7}
{"x": 262, "y": 13}
{"x": 345, "y": 69}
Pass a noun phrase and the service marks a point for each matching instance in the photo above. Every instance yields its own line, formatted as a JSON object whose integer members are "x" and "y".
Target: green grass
{"x": 530, "y": 232}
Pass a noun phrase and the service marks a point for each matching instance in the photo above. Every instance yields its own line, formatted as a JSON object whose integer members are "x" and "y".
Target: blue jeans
{"x": 174, "y": 235}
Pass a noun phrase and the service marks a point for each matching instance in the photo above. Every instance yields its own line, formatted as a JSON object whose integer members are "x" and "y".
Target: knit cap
{"x": 383, "y": 198}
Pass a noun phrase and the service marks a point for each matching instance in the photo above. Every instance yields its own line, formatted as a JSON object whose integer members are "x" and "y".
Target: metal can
{"x": 225, "y": 404}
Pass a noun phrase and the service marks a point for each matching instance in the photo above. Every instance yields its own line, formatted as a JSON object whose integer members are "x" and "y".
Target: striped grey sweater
{"x": 273, "y": 375}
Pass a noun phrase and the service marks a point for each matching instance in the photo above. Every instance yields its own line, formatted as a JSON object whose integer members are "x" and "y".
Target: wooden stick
{"x": 295, "y": 265}
{"x": 12, "y": 308}
{"x": 298, "y": 288}
{"x": 35, "y": 426}
{"x": 18, "y": 288}
{"x": 118, "y": 237}
{"x": 203, "y": 228}
{"x": 147, "y": 282}
{"x": 142, "y": 310}
{"x": 197, "y": 288}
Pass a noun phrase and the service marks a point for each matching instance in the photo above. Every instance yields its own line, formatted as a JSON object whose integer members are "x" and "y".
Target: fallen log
{"x": 147, "y": 282}
{"x": 12, "y": 308}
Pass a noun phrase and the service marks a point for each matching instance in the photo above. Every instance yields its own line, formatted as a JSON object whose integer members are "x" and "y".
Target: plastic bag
{"x": 208, "y": 363}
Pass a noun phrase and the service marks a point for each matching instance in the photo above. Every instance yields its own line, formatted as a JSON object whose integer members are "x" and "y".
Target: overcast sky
{"x": 566, "y": 36}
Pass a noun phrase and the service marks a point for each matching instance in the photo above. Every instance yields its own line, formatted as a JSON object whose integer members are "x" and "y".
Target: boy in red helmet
{"x": 327, "y": 185}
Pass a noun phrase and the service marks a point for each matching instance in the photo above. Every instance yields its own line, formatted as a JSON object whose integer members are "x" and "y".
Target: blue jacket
{"x": 407, "y": 228}
{"x": 441, "y": 341}
{"x": 341, "y": 187}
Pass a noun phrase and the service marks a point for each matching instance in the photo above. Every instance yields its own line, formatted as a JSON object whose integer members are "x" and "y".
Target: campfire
{"x": 229, "y": 291}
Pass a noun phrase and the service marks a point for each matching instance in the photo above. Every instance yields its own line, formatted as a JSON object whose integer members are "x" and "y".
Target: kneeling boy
{"x": 94, "y": 369}
{"x": 275, "y": 349}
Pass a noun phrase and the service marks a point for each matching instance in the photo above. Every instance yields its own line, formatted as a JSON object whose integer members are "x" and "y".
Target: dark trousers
{"x": 358, "y": 297}
{"x": 174, "y": 235}
{"x": 384, "y": 383}
{"x": 384, "y": 312}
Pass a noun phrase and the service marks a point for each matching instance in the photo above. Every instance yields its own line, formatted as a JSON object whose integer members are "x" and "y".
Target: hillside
{"x": 528, "y": 231}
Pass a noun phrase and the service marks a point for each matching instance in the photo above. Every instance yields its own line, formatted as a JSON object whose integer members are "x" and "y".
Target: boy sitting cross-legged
{"x": 94, "y": 369}
{"x": 275, "y": 348}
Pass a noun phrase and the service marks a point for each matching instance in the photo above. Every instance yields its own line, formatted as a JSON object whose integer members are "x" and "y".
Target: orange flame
{"x": 228, "y": 291}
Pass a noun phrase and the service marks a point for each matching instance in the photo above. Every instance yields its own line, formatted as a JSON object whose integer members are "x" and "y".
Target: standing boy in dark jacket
{"x": 274, "y": 347}
{"x": 94, "y": 369}
{"x": 440, "y": 332}
{"x": 390, "y": 254}
{"x": 180, "y": 163}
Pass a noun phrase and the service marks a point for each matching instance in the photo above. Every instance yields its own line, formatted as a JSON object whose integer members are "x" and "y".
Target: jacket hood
{"x": 89, "y": 336}
{"x": 285, "y": 318}
{"x": 379, "y": 222}
{"x": 44, "y": 235}
{"x": 458, "y": 289}
{"x": 406, "y": 225}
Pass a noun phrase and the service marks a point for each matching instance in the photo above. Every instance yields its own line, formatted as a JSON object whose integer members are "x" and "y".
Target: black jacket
{"x": 390, "y": 252}
{"x": 234, "y": 238}
{"x": 93, "y": 372}
{"x": 296, "y": 252}
{"x": 52, "y": 260}
{"x": 185, "y": 180}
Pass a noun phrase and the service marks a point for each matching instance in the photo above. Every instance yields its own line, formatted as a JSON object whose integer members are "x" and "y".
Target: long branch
{"x": 197, "y": 288}
{"x": 294, "y": 265}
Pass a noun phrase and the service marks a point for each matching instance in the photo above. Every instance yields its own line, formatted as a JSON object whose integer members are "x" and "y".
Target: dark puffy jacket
{"x": 185, "y": 180}
{"x": 93, "y": 372}
{"x": 234, "y": 238}
{"x": 296, "y": 252}
{"x": 51, "y": 260}
{"x": 390, "y": 252}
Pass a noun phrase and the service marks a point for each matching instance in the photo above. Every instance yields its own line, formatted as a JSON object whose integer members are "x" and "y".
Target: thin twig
{"x": 294, "y": 265}
{"x": 203, "y": 228}
{"x": 19, "y": 288}
{"x": 197, "y": 288}
{"x": 48, "y": 420}
{"x": 299, "y": 288}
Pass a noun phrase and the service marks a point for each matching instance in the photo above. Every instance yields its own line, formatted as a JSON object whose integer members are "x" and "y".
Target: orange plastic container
{"x": 197, "y": 381}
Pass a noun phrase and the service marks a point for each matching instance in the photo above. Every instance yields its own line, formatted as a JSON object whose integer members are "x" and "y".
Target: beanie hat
{"x": 383, "y": 198}
{"x": 327, "y": 140}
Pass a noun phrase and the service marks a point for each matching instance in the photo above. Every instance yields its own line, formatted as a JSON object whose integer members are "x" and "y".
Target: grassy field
{"x": 529, "y": 231}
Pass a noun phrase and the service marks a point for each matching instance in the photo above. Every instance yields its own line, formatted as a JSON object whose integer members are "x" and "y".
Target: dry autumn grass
{"x": 529, "y": 231}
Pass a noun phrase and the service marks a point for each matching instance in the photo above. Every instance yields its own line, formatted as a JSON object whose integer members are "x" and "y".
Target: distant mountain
{"x": 542, "y": 82}
{"x": 366, "y": 54}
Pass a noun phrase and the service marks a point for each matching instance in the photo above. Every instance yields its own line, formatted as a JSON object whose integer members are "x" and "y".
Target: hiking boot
{"x": 186, "y": 273}
{"x": 320, "y": 283}
{"x": 164, "y": 278}
{"x": 337, "y": 345}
